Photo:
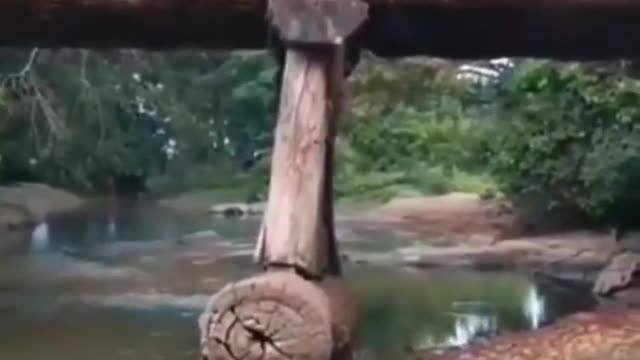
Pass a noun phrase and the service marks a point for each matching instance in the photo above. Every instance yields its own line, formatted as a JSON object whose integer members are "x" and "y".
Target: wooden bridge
{"x": 299, "y": 307}
{"x": 449, "y": 28}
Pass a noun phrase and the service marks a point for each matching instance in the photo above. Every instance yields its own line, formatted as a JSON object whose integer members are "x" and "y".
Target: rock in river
{"x": 237, "y": 209}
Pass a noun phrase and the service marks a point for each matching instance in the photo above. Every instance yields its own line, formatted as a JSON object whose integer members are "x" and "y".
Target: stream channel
{"x": 86, "y": 285}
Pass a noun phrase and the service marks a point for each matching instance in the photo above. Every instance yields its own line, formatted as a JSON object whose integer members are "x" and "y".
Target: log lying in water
{"x": 613, "y": 335}
{"x": 454, "y": 28}
{"x": 279, "y": 315}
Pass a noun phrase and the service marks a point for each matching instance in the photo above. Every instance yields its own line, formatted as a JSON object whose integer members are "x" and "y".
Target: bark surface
{"x": 298, "y": 229}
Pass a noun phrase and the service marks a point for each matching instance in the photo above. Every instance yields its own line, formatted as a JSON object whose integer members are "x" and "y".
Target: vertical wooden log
{"x": 298, "y": 229}
{"x": 307, "y": 313}
{"x": 281, "y": 315}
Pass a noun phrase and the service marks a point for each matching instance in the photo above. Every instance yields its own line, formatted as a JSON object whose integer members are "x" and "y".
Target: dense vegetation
{"x": 563, "y": 134}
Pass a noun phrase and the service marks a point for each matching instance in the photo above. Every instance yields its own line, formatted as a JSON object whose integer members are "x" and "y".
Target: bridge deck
{"x": 451, "y": 28}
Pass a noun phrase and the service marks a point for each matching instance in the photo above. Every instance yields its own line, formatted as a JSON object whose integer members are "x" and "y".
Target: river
{"x": 92, "y": 285}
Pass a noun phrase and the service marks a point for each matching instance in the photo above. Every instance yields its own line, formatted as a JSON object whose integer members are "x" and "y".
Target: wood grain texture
{"x": 571, "y": 29}
{"x": 298, "y": 227}
{"x": 279, "y": 315}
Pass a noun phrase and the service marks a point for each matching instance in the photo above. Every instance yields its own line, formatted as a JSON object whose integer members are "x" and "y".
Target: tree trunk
{"x": 611, "y": 335}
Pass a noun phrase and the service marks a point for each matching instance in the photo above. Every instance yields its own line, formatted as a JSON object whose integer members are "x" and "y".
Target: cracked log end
{"x": 278, "y": 315}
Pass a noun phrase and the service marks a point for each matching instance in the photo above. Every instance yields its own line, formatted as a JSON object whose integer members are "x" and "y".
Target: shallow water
{"x": 131, "y": 287}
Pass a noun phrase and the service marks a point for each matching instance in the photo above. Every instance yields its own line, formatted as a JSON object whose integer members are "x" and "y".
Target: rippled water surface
{"x": 92, "y": 286}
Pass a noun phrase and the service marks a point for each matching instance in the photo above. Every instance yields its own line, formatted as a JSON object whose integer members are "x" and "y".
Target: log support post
{"x": 299, "y": 308}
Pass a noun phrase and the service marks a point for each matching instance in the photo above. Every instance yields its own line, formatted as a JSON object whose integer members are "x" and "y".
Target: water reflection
{"x": 449, "y": 308}
{"x": 130, "y": 286}
{"x": 534, "y": 307}
{"x": 473, "y": 320}
{"x": 40, "y": 237}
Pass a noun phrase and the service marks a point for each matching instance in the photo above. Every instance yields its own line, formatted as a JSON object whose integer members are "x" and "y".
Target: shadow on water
{"x": 129, "y": 284}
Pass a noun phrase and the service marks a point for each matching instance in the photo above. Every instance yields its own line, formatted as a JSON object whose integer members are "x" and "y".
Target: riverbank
{"x": 466, "y": 230}
{"x": 455, "y": 230}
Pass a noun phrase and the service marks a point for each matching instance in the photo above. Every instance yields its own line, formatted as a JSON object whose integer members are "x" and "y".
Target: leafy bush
{"x": 572, "y": 135}
{"x": 123, "y": 110}
{"x": 411, "y": 130}
{"x": 564, "y": 134}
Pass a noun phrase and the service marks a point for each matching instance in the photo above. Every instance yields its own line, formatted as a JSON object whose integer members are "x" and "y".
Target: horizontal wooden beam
{"x": 578, "y": 29}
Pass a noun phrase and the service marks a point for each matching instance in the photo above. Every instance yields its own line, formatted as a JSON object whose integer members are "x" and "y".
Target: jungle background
{"x": 550, "y": 135}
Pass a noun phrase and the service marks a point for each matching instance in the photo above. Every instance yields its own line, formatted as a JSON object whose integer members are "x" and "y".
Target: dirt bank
{"x": 457, "y": 229}
{"x": 463, "y": 230}
{"x": 457, "y": 215}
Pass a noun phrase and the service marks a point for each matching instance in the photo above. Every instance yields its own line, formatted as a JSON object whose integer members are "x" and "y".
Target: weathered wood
{"x": 581, "y": 29}
{"x": 317, "y": 22}
{"x": 283, "y": 314}
{"x": 613, "y": 335}
{"x": 279, "y": 315}
{"x": 298, "y": 226}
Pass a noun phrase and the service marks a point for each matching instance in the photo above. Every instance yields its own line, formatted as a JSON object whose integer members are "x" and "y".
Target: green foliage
{"x": 565, "y": 133}
{"x": 122, "y": 112}
{"x": 411, "y": 131}
{"x": 571, "y": 134}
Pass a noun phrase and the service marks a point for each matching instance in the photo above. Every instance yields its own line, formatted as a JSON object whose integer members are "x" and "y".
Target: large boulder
{"x": 27, "y": 204}
{"x": 618, "y": 284}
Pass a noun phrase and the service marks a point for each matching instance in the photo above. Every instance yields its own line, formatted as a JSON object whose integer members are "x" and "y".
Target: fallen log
{"x": 581, "y": 29}
{"x": 611, "y": 335}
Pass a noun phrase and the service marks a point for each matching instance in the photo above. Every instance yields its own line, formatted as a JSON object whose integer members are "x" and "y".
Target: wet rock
{"x": 618, "y": 274}
{"x": 618, "y": 284}
{"x": 198, "y": 235}
{"x": 15, "y": 217}
{"x": 26, "y": 204}
{"x": 237, "y": 209}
